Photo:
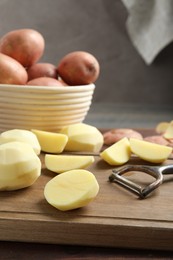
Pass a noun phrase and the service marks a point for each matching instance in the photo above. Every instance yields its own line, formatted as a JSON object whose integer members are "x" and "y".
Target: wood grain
{"x": 116, "y": 218}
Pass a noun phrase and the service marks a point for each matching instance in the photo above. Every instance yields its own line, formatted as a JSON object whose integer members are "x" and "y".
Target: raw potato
{"x": 118, "y": 153}
{"x": 114, "y": 135}
{"x": 45, "y": 81}
{"x": 51, "y": 142}
{"x": 157, "y": 139}
{"x": 78, "y": 68}
{"x": 12, "y": 72}
{"x": 168, "y": 134}
{"x": 38, "y": 70}
{"x": 161, "y": 127}
{"x": 63, "y": 163}
{"x": 24, "y": 45}
{"x": 83, "y": 137}
{"x": 20, "y": 135}
{"x": 150, "y": 152}
{"x": 20, "y": 167}
{"x": 72, "y": 189}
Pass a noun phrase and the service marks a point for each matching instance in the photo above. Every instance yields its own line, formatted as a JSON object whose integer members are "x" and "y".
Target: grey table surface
{"x": 114, "y": 115}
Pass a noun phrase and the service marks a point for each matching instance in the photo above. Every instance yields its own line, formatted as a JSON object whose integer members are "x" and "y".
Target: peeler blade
{"x": 154, "y": 171}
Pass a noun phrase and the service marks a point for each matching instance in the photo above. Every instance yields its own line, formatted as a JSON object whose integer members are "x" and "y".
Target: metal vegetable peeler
{"x": 155, "y": 171}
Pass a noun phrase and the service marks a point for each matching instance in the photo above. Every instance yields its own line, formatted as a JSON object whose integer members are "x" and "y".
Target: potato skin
{"x": 114, "y": 135}
{"x": 11, "y": 71}
{"x": 24, "y": 45}
{"x": 157, "y": 139}
{"x": 38, "y": 70}
{"x": 45, "y": 81}
{"x": 78, "y": 68}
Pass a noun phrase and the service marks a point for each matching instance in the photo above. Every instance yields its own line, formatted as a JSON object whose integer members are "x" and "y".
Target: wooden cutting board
{"x": 116, "y": 218}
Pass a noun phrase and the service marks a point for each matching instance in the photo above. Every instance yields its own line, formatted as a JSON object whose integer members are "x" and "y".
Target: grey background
{"x": 96, "y": 26}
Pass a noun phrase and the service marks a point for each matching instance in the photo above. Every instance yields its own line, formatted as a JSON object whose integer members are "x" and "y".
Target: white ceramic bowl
{"x": 44, "y": 108}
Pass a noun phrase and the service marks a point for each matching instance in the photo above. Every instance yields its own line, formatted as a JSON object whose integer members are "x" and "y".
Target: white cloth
{"x": 150, "y": 26}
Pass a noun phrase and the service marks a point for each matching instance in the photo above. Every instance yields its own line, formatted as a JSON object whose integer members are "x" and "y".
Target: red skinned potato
{"x": 38, "y": 70}
{"x": 45, "y": 81}
{"x": 24, "y": 45}
{"x": 78, "y": 68}
{"x": 11, "y": 71}
{"x": 157, "y": 139}
{"x": 114, "y": 135}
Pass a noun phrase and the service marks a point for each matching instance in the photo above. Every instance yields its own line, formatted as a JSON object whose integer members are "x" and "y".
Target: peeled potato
{"x": 161, "y": 127}
{"x": 63, "y": 163}
{"x": 20, "y": 167}
{"x": 83, "y": 137}
{"x": 25, "y": 136}
{"x": 51, "y": 142}
{"x": 118, "y": 153}
{"x": 150, "y": 152}
{"x": 72, "y": 189}
{"x": 168, "y": 134}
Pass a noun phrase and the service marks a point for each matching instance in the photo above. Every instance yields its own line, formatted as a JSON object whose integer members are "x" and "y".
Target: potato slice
{"x": 150, "y": 152}
{"x": 20, "y": 167}
{"x": 83, "y": 137}
{"x": 21, "y": 136}
{"x": 168, "y": 134}
{"x": 51, "y": 142}
{"x": 118, "y": 153}
{"x": 63, "y": 163}
{"x": 72, "y": 189}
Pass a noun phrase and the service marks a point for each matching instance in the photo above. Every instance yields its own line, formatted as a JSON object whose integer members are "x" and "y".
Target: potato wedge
{"x": 51, "y": 142}
{"x": 118, "y": 153}
{"x": 63, "y": 163}
{"x": 168, "y": 134}
{"x": 161, "y": 127}
{"x": 150, "y": 152}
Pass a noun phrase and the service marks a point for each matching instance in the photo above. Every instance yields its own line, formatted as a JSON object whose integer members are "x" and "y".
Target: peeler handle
{"x": 166, "y": 169}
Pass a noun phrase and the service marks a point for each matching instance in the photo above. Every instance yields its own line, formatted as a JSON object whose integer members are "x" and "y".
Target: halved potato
{"x": 83, "y": 137}
{"x": 72, "y": 189}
